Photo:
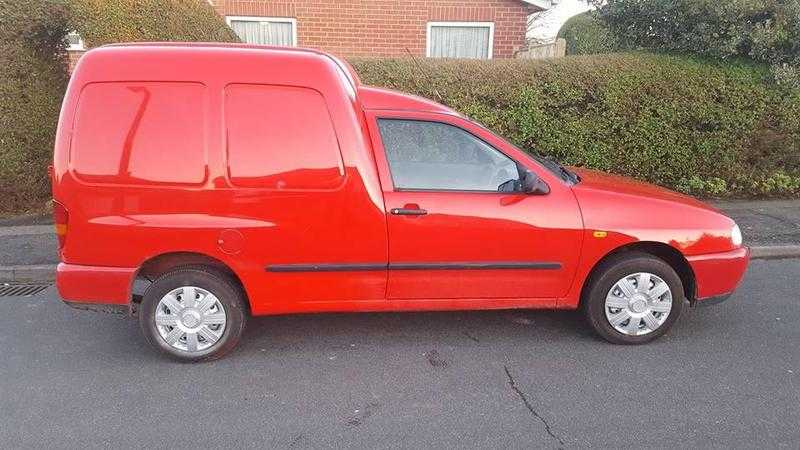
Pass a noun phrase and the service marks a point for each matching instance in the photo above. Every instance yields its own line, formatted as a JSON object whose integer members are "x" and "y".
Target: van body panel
{"x": 95, "y": 285}
{"x": 296, "y": 215}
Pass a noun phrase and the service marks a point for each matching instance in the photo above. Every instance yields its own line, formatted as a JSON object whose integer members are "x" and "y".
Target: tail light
{"x": 61, "y": 218}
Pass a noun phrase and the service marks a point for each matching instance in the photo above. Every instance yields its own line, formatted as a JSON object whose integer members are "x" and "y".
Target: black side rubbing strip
{"x": 476, "y": 266}
{"x": 360, "y": 267}
{"x": 356, "y": 267}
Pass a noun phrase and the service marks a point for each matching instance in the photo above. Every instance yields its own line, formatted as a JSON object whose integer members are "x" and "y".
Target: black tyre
{"x": 633, "y": 298}
{"x": 193, "y": 314}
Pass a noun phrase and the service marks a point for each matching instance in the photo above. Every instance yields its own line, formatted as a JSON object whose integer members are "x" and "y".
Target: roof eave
{"x": 539, "y": 5}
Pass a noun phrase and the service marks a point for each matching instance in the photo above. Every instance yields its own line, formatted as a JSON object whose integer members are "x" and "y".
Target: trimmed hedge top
{"x": 102, "y": 22}
{"x": 701, "y": 127}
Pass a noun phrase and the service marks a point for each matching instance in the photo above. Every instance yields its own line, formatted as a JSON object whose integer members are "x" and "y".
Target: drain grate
{"x": 21, "y": 290}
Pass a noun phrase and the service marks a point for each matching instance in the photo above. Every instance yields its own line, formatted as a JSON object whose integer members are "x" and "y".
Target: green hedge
{"x": 32, "y": 81}
{"x": 767, "y": 31}
{"x": 586, "y": 34}
{"x": 102, "y": 22}
{"x": 702, "y": 127}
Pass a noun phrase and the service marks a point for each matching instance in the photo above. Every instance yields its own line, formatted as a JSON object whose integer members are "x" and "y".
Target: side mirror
{"x": 532, "y": 184}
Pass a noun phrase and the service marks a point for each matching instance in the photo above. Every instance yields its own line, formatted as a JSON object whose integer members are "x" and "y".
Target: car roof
{"x": 387, "y": 99}
{"x": 370, "y": 98}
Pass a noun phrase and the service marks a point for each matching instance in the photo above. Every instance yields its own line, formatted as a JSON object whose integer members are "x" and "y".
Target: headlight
{"x": 736, "y": 235}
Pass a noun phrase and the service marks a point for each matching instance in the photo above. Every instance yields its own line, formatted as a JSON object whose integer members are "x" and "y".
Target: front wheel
{"x": 193, "y": 314}
{"x": 633, "y": 299}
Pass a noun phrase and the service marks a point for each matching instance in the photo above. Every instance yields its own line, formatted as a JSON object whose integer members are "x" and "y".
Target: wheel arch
{"x": 660, "y": 250}
{"x": 158, "y": 265}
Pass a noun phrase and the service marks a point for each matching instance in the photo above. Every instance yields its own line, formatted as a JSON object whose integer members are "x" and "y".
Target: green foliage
{"x": 32, "y": 81}
{"x": 586, "y": 34}
{"x": 101, "y": 22}
{"x": 766, "y": 31}
{"x": 33, "y": 72}
{"x": 703, "y": 127}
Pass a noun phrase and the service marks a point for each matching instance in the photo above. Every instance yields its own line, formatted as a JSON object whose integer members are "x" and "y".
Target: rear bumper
{"x": 94, "y": 285}
{"x": 718, "y": 274}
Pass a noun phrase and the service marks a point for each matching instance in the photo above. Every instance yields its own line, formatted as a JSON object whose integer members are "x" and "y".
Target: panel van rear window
{"x": 280, "y": 137}
{"x": 140, "y": 133}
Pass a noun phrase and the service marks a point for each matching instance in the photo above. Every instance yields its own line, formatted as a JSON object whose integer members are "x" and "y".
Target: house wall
{"x": 382, "y": 28}
{"x": 72, "y": 58}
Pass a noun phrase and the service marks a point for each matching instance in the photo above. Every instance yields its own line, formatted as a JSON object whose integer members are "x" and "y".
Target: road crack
{"x": 471, "y": 337}
{"x": 524, "y": 397}
{"x": 435, "y": 360}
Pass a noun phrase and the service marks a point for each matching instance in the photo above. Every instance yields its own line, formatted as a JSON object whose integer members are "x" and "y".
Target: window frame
{"x": 291, "y": 20}
{"x": 395, "y": 188}
{"x": 489, "y": 25}
{"x": 80, "y": 46}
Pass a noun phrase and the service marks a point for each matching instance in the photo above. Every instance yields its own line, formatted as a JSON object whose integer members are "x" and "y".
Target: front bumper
{"x": 94, "y": 285}
{"x": 718, "y": 274}
{"x": 711, "y": 301}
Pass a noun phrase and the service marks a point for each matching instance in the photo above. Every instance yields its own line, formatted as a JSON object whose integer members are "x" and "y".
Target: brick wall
{"x": 382, "y": 28}
{"x": 72, "y": 58}
{"x": 386, "y": 27}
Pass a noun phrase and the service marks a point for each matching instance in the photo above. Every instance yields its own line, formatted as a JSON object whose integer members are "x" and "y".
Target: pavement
{"x": 726, "y": 376}
{"x": 765, "y": 223}
{"x": 28, "y": 247}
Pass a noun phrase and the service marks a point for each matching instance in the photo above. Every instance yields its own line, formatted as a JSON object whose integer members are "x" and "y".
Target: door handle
{"x": 408, "y": 211}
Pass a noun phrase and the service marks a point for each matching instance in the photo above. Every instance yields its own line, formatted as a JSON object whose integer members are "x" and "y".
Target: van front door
{"x": 458, "y": 226}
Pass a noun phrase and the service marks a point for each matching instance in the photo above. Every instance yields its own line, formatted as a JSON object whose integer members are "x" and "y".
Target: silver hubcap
{"x": 190, "y": 319}
{"x": 638, "y": 304}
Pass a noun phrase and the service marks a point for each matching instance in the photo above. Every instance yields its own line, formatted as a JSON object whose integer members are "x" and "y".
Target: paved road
{"x": 727, "y": 376}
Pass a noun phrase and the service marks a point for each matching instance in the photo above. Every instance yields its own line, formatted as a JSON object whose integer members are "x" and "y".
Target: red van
{"x": 198, "y": 184}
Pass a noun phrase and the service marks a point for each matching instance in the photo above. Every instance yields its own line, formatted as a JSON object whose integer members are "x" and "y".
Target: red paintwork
{"x": 720, "y": 272}
{"x": 89, "y": 284}
{"x": 204, "y": 194}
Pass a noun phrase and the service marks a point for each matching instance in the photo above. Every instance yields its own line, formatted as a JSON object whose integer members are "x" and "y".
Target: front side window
{"x": 437, "y": 156}
{"x": 280, "y": 31}
{"x": 472, "y": 40}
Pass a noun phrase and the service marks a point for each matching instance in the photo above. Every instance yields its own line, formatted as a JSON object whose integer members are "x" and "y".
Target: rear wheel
{"x": 193, "y": 314}
{"x": 633, "y": 299}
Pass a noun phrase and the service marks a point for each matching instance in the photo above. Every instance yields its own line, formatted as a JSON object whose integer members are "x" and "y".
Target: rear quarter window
{"x": 280, "y": 137}
{"x": 140, "y": 133}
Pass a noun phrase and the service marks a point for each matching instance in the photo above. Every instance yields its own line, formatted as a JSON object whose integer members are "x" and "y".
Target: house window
{"x": 265, "y": 30}
{"x": 460, "y": 40}
{"x": 75, "y": 41}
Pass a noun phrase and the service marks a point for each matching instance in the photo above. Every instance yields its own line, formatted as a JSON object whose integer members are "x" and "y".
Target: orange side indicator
{"x": 600, "y": 234}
